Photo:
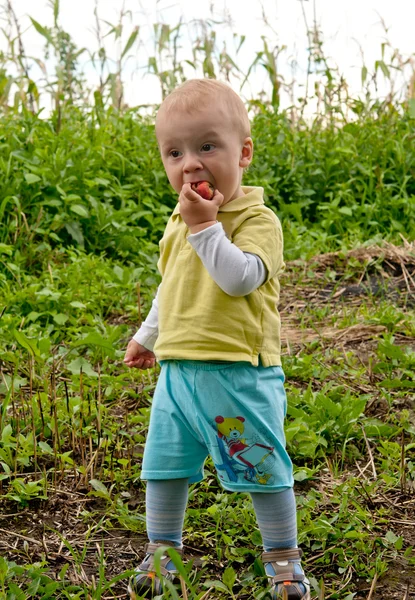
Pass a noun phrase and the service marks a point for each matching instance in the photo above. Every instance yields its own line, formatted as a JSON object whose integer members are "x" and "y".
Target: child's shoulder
{"x": 254, "y": 215}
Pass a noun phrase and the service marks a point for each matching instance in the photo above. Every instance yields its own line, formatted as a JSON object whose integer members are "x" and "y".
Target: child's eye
{"x": 174, "y": 153}
{"x": 207, "y": 147}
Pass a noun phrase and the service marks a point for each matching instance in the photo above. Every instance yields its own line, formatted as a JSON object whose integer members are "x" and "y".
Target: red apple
{"x": 204, "y": 189}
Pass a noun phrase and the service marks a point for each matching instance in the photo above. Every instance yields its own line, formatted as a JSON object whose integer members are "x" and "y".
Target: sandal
{"x": 146, "y": 583}
{"x": 286, "y": 584}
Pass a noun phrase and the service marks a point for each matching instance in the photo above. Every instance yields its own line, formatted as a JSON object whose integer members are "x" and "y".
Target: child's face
{"x": 203, "y": 146}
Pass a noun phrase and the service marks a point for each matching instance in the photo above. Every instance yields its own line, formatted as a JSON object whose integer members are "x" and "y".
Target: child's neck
{"x": 238, "y": 194}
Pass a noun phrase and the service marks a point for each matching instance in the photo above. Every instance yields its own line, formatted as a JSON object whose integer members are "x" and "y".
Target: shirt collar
{"x": 252, "y": 197}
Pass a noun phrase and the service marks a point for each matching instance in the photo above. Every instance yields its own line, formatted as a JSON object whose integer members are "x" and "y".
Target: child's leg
{"x": 277, "y": 520}
{"x": 276, "y": 514}
{"x": 173, "y": 457}
{"x": 165, "y": 509}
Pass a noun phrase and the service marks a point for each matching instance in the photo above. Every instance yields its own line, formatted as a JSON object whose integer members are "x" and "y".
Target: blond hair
{"x": 196, "y": 94}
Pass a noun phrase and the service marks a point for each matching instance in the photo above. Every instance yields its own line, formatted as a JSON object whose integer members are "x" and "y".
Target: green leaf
{"x": 94, "y": 339}
{"x": 61, "y": 191}
{"x": 33, "y": 587}
{"x": 164, "y": 35}
{"x": 27, "y": 343}
{"x": 16, "y": 592}
{"x": 80, "y": 363}
{"x": 5, "y": 249}
{"x": 399, "y": 543}
{"x": 256, "y": 537}
{"x": 377, "y": 428}
{"x": 44, "y": 446}
{"x": 75, "y": 232}
{"x": 102, "y": 181}
{"x": 56, "y": 11}
{"x": 6, "y": 434}
{"x": 411, "y": 105}
{"x": 391, "y": 537}
{"x": 42, "y": 30}
{"x": 215, "y": 584}
{"x": 99, "y": 487}
{"x": 77, "y": 304}
{"x": 397, "y": 384}
{"x": 6, "y": 468}
{"x": 241, "y": 41}
{"x": 31, "y": 178}
{"x": 354, "y": 535}
{"x": 392, "y": 351}
{"x": 4, "y": 568}
{"x": 385, "y": 69}
{"x": 301, "y": 475}
{"x": 152, "y": 64}
{"x": 80, "y": 210}
{"x": 229, "y": 577}
{"x": 62, "y": 572}
{"x": 130, "y": 41}
{"x": 60, "y": 318}
{"x": 119, "y": 272}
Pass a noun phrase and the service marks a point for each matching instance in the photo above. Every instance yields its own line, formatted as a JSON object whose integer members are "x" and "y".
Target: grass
{"x": 74, "y": 423}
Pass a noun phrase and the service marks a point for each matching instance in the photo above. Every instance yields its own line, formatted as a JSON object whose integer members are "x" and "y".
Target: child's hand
{"x": 139, "y": 357}
{"x": 196, "y": 211}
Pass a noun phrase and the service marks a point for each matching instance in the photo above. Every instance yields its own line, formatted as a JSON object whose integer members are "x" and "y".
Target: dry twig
{"x": 372, "y": 587}
{"x": 372, "y": 462}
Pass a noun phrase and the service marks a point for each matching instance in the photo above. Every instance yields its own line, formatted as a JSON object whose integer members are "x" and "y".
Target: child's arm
{"x": 236, "y": 272}
{"x": 139, "y": 351}
{"x": 149, "y": 329}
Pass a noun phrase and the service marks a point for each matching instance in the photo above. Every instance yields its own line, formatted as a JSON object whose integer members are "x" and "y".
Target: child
{"x": 215, "y": 329}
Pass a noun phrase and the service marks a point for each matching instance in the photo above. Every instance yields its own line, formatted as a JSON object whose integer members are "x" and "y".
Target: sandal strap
{"x": 282, "y": 554}
{"x": 148, "y": 562}
{"x": 151, "y": 547}
{"x": 297, "y": 589}
{"x": 286, "y": 571}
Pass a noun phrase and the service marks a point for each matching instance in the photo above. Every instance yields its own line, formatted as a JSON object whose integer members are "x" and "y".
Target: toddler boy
{"x": 215, "y": 328}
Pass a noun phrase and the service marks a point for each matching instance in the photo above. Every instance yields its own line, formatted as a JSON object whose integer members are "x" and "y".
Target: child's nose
{"x": 192, "y": 163}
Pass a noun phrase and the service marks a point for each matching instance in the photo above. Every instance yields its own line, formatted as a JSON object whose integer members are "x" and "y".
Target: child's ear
{"x": 246, "y": 153}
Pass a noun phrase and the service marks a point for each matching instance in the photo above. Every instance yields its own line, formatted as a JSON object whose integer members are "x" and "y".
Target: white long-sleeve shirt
{"x": 237, "y": 273}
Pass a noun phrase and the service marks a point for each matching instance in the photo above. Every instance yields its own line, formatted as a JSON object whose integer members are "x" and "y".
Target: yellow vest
{"x": 197, "y": 320}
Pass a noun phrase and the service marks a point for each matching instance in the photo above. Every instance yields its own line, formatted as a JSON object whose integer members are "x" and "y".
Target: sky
{"x": 352, "y": 33}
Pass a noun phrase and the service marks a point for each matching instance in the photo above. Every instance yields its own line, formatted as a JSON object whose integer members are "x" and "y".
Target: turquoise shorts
{"x": 233, "y": 412}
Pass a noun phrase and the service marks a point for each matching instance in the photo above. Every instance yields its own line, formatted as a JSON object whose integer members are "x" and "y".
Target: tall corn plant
{"x": 113, "y": 82}
{"x": 15, "y": 55}
{"x": 206, "y": 57}
{"x": 69, "y": 84}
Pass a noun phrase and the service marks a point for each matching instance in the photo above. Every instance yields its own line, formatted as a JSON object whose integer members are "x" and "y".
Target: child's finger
{"x": 190, "y": 194}
{"x": 141, "y": 363}
{"x": 131, "y": 354}
{"x": 129, "y": 364}
{"x": 218, "y": 198}
{"x": 134, "y": 362}
{"x": 128, "y": 357}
